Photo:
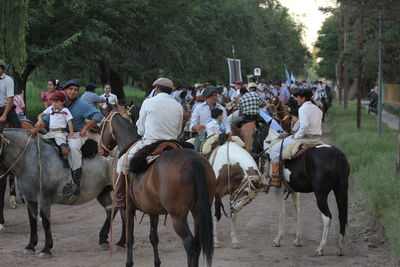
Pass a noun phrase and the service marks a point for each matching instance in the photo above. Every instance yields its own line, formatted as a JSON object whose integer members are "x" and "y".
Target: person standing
{"x": 109, "y": 97}
{"x": 52, "y": 87}
{"x": 7, "y": 111}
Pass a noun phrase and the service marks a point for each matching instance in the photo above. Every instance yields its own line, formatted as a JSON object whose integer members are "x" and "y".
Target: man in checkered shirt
{"x": 249, "y": 104}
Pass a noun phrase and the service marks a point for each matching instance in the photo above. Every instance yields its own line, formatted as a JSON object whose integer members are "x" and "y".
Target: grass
{"x": 34, "y": 105}
{"x": 391, "y": 108}
{"x": 372, "y": 162}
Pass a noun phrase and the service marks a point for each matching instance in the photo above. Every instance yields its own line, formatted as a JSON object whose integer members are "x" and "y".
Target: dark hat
{"x": 209, "y": 91}
{"x": 71, "y": 82}
{"x": 3, "y": 63}
{"x": 277, "y": 83}
{"x": 58, "y": 95}
{"x": 304, "y": 93}
{"x": 220, "y": 89}
{"x": 90, "y": 86}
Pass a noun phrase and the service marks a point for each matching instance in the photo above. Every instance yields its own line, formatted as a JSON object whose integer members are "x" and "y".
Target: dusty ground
{"x": 75, "y": 232}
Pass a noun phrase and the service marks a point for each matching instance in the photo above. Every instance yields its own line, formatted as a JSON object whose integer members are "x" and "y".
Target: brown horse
{"x": 281, "y": 114}
{"x": 178, "y": 182}
{"x": 245, "y": 132}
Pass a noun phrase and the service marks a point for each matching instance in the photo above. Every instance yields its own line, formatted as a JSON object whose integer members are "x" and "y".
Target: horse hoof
{"x": 13, "y": 202}
{"x": 2, "y": 229}
{"x": 318, "y": 253}
{"x": 339, "y": 253}
{"x": 217, "y": 245}
{"x": 276, "y": 243}
{"x": 119, "y": 248}
{"x": 236, "y": 245}
{"x": 29, "y": 252}
{"x": 104, "y": 246}
{"x": 44, "y": 255}
{"x": 297, "y": 243}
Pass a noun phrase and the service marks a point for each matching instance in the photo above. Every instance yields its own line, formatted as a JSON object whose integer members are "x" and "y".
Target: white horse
{"x": 237, "y": 175}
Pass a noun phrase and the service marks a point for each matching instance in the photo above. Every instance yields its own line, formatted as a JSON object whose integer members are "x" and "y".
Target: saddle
{"x": 297, "y": 149}
{"x": 142, "y": 160}
{"x": 89, "y": 148}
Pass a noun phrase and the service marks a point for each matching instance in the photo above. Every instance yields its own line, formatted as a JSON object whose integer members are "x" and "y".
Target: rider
{"x": 249, "y": 104}
{"x": 283, "y": 92}
{"x": 202, "y": 115}
{"x": 160, "y": 118}
{"x": 90, "y": 95}
{"x": 310, "y": 120}
{"x": 81, "y": 111}
{"x": 7, "y": 111}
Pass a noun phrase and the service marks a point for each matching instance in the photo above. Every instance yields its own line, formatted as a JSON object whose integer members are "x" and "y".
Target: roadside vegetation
{"x": 373, "y": 169}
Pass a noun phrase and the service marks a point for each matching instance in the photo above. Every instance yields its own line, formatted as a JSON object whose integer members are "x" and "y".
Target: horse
{"x": 303, "y": 176}
{"x": 179, "y": 181}
{"x": 41, "y": 178}
{"x": 281, "y": 114}
{"x": 236, "y": 171}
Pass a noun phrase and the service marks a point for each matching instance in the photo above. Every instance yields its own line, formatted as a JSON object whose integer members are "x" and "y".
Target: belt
{"x": 312, "y": 136}
{"x": 57, "y": 129}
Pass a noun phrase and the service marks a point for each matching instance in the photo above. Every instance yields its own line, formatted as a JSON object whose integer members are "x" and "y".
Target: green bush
{"x": 372, "y": 162}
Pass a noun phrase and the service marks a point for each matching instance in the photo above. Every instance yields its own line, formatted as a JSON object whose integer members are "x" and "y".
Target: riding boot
{"x": 276, "y": 177}
{"x": 71, "y": 189}
{"x": 120, "y": 195}
{"x": 64, "y": 153}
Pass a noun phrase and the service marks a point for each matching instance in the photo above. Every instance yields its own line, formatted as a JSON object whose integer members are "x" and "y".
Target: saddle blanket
{"x": 296, "y": 149}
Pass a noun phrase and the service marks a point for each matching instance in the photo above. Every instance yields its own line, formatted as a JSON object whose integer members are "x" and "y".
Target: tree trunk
{"x": 398, "y": 150}
{"x": 109, "y": 75}
{"x": 20, "y": 79}
{"x": 360, "y": 46}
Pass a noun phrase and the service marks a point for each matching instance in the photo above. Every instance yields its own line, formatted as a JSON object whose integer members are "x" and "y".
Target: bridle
{"x": 108, "y": 119}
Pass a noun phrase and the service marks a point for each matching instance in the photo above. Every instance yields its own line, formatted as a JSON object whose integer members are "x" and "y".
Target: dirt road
{"x": 75, "y": 232}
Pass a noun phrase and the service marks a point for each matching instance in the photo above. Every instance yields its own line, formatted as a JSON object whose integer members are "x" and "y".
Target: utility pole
{"x": 380, "y": 77}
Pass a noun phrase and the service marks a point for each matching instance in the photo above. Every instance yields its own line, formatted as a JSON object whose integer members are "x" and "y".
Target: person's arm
{"x": 195, "y": 121}
{"x": 93, "y": 115}
{"x": 99, "y": 99}
{"x": 10, "y": 103}
{"x": 226, "y": 123}
{"x": 141, "y": 122}
{"x": 303, "y": 124}
{"x": 71, "y": 129}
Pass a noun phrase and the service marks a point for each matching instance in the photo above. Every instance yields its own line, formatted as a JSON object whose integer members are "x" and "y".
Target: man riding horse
{"x": 160, "y": 118}
{"x": 7, "y": 111}
{"x": 81, "y": 111}
{"x": 249, "y": 106}
{"x": 310, "y": 120}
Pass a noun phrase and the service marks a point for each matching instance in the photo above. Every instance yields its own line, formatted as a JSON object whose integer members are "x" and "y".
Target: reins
{"x": 109, "y": 119}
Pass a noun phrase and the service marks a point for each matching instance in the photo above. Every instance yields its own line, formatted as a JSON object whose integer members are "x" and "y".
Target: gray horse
{"x": 41, "y": 178}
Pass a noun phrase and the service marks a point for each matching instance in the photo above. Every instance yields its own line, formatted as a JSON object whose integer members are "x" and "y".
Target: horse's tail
{"x": 204, "y": 223}
{"x": 341, "y": 192}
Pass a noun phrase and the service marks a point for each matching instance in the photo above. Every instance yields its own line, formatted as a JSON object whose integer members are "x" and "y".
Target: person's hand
{"x": 71, "y": 135}
{"x": 83, "y": 132}
{"x": 199, "y": 128}
{"x": 3, "y": 118}
{"x": 229, "y": 138}
{"x": 33, "y": 131}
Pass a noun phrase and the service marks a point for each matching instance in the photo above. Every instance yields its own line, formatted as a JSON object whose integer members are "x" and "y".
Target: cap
{"x": 164, "y": 82}
{"x": 71, "y": 82}
{"x": 209, "y": 91}
{"x": 58, "y": 95}
{"x": 90, "y": 86}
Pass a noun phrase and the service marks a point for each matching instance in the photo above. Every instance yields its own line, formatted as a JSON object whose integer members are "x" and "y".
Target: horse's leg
{"x": 296, "y": 203}
{"x": 281, "y": 214}
{"x": 13, "y": 194}
{"x": 105, "y": 200}
{"x": 130, "y": 215}
{"x": 196, "y": 241}
{"x": 341, "y": 200}
{"x": 32, "y": 213}
{"x": 3, "y": 185}
{"x": 182, "y": 229}
{"x": 154, "y": 238}
{"x": 322, "y": 202}
{"x": 215, "y": 234}
{"x": 48, "y": 243}
{"x": 234, "y": 239}
{"x": 122, "y": 241}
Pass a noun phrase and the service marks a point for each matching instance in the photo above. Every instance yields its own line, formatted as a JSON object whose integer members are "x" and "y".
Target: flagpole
{"x": 234, "y": 64}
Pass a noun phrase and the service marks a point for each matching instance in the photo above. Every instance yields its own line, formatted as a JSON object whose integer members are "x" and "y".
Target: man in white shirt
{"x": 160, "y": 118}
{"x": 310, "y": 120}
{"x": 183, "y": 95}
{"x": 7, "y": 98}
{"x": 109, "y": 97}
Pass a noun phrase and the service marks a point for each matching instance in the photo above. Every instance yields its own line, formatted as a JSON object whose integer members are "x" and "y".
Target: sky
{"x": 306, "y": 12}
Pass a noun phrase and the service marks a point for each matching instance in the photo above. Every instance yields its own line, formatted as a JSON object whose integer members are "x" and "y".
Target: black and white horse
{"x": 321, "y": 169}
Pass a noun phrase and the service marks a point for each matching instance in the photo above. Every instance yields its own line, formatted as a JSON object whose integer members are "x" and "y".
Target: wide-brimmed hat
{"x": 164, "y": 82}
{"x": 58, "y": 95}
{"x": 209, "y": 91}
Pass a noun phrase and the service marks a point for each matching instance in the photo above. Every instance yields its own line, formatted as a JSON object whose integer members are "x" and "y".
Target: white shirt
{"x": 6, "y": 89}
{"x": 58, "y": 119}
{"x": 235, "y": 95}
{"x": 310, "y": 118}
{"x": 176, "y": 95}
{"x": 202, "y": 115}
{"x": 112, "y": 99}
{"x": 213, "y": 128}
{"x": 160, "y": 118}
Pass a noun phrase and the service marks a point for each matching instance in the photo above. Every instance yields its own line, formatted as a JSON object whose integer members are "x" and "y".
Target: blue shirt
{"x": 92, "y": 98}
{"x": 81, "y": 111}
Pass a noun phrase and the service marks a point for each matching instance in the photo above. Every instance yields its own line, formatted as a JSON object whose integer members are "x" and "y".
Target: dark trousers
{"x": 12, "y": 117}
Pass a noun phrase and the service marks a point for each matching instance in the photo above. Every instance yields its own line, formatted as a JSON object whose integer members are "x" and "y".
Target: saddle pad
{"x": 296, "y": 149}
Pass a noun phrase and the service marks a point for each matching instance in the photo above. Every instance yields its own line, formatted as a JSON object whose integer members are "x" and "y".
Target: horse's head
{"x": 276, "y": 102}
{"x": 258, "y": 140}
{"x": 107, "y": 138}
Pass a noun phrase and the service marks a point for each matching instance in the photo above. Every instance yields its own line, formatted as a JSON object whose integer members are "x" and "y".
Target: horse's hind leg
{"x": 3, "y": 185}
{"x": 105, "y": 200}
{"x": 234, "y": 239}
{"x": 130, "y": 215}
{"x": 32, "y": 213}
{"x": 122, "y": 241}
{"x": 281, "y": 216}
{"x": 322, "y": 202}
{"x": 296, "y": 203}
{"x": 48, "y": 243}
{"x": 341, "y": 200}
{"x": 182, "y": 229}
{"x": 154, "y": 239}
{"x": 13, "y": 194}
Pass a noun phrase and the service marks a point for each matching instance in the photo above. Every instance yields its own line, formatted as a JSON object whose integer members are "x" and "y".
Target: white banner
{"x": 235, "y": 73}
